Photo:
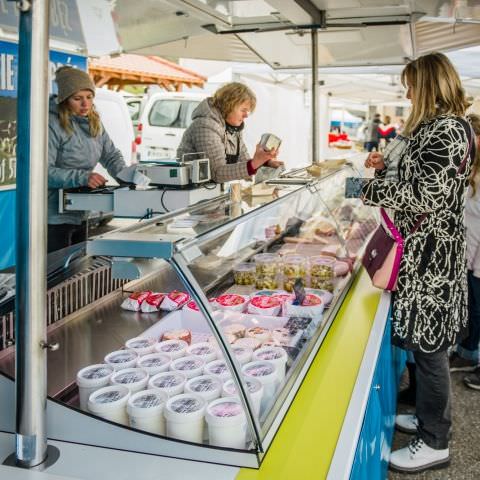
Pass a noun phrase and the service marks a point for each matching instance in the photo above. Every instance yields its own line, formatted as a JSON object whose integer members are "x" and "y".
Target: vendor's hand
{"x": 262, "y": 156}
{"x": 375, "y": 160}
{"x": 96, "y": 180}
{"x": 274, "y": 163}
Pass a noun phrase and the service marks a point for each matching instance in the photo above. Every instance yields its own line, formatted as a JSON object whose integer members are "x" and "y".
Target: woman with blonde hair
{"x": 429, "y": 307}
{"x": 216, "y": 131}
{"x": 77, "y": 141}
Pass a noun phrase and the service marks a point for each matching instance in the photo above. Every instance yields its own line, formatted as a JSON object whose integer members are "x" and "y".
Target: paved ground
{"x": 465, "y": 443}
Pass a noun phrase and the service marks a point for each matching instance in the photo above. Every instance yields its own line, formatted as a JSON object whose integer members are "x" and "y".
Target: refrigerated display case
{"x": 263, "y": 339}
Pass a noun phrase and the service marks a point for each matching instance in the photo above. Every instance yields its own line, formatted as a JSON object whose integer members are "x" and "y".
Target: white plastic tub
{"x": 207, "y": 386}
{"x": 277, "y": 356}
{"x": 174, "y": 348}
{"x": 205, "y": 350}
{"x": 218, "y": 368}
{"x": 172, "y": 383}
{"x": 141, "y": 345}
{"x": 135, "y": 379}
{"x": 121, "y": 359}
{"x": 90, "y": 379}
{"x": 242, "y": 354}
{"x": 266, "y": 373}
{"x": 110, "y": 403}
{"x": 145, "y": 411}
{"x": 227, "y": 423}
{"x": 255, "y": 390}
{"x": 190, "y": 366}
{"x": 184, "y": 415}
{"x": 154, "y": 363}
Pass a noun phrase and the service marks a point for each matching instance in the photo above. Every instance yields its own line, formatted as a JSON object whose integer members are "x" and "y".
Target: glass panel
{"x": 172, "y": 113}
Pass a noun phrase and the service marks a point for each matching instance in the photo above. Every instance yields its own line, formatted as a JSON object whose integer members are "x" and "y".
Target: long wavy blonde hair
{"x": 436, "y": 87}
{"x": 474, "y": 176}
{"x": 65, "y": 117}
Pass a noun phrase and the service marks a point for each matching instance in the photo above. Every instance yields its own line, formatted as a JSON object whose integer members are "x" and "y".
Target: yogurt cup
{"x": 218, "y": 368}
{"x": 255, "y": 390}
{"x": 172, "y": 383}
{"x": 207, "y": 386}
{"x": 135, "y": 379}
{"x": 90, "y": 379}
{"x": 205, "y": 350}
{"x": 184, "y": 415}
{"x": 141, "y": 345}
{"x": 191, "y": 366}
{"x": 227, "y": 423}
{"x": 266, "y": 373}
{"x": 242, "y": 354}
{"x": 154, "y": 363}
{"x": 174, "y": 348}
{"x": 145, "y": 411}
{"x": 110, "y": 403}
{"x": 121, "y": 359}
{"x": 277, "y": 356}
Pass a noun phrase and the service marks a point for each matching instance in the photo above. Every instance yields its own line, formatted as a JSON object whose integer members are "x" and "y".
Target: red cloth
{"x": 250, "y": 169}
{"x": 335, "y": 137}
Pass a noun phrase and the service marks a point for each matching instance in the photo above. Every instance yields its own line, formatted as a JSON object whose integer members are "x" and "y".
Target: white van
{"x": 116, "y": 119}
{"x": 164, "y": 119}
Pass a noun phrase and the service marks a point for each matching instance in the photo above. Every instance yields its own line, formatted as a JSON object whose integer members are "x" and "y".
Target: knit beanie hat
{"x": 71, "y": 80}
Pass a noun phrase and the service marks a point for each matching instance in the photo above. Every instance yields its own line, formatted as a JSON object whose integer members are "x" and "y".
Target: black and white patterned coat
{"x": 430, "y": 304}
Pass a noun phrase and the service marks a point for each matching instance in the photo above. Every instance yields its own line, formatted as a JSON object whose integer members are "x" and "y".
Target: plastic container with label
{"x": 227, "y": 423}
{"x": 294, "y": 266}
{"x": 206, "y": 351}
{"x": 218, "y": 368}
{"x": 277, "y": 356}
{"x": 145, "y": 411}
{"x": 207, "y": 386}
{"x": 190, "y": 366}
{"x": 141, "y": 345}
{"x": 255, "y": 389}
{"x": 110, "y": 403}
{"x": 322, "y": 272}
{"x": 172, "y": 383}
{"x": 244, "y": 274}
{"x": 242, "y": 354}
{"x": 264, "y": 305}
{"x": 266, "y": 264}
{"x": 135, "y": 379}
{"x": 266, "y": 374}
{"x": 174, "y": 348}
{"x": 231, "y": 302}
{"x": 184, "y": 415}
{"x": 90, "y": 379}
{"x": 154, "y": 363}
{"x": 121, "y": 359}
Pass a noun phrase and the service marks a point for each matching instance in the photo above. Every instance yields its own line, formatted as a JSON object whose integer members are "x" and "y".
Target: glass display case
{"x": 200, "y": 355}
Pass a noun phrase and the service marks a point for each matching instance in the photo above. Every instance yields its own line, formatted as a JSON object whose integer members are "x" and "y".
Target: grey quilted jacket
{"x": 71, "y": 159}
{"x": 207, "y": 134}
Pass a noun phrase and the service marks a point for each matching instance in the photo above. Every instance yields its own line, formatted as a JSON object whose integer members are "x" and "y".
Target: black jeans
{"x": 64, "y": 235}
{"x": 433, "y": 401}
{"x": 371, "y": 145}
{"x": 471, "y": 342}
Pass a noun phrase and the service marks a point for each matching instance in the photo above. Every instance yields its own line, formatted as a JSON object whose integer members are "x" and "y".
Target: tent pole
{"x": 315, "y": 136}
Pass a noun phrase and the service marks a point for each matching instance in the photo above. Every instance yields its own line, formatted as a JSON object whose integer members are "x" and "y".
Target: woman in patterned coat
{"x": 216, "y": 131}
{"x": 430, "y": 304}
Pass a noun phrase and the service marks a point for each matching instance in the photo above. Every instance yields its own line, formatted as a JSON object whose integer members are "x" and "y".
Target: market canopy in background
{"x": 119, "y": 71}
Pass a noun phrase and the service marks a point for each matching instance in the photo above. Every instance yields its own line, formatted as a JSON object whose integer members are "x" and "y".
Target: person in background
{"x": 77, "y": 141}
{"x": 400, "y": 126}
{"x": 372, "y": 135}
{"x": 387, "y": 130}
{"x": 216, "y": 131}
{"x": 466, "y": 356}
{"x": 429, "y": 307}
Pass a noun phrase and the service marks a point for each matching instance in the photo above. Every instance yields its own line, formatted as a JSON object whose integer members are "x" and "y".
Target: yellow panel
{"x": 305, "y": 443}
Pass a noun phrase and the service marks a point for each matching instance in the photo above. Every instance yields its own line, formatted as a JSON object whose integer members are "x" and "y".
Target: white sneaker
{"x": 406, "y": 423}
{"x": 418, "y": 456}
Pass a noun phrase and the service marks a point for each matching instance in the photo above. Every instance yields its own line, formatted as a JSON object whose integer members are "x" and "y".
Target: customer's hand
{"x": 262, "y": 156}
{"x": 96, "y": 180}
{"x": 375, "y": 160}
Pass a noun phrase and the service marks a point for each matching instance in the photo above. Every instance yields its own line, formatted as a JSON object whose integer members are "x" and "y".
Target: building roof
{"x": 129, "y": 69}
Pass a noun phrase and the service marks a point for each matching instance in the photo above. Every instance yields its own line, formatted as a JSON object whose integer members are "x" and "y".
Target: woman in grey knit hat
{"x": 77, "y": 142}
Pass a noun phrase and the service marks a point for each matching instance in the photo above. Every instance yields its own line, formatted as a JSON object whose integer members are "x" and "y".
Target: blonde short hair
{"x": 229, "y": 96}
{"x": 437, "y": 88}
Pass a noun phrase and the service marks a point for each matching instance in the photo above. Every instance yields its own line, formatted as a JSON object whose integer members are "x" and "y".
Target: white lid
{"x": 171, "y": 346}
{"x": 121, "y": 356}
{"x": 153, "y": 360}
{"x": 146, "y": 403}
{"x": 129, "y": 376}
{"x": 218, "y": 368}
{"x": 243, "y": 353}
{"x": 253, "y": 385}
{"x": 270, "y": 353}
{"x": 259, "y": 369}
{"x": 185, "y": 364}
{"x": 113, "y": 396}
{"x": 167, "y": 380}
{"x": 94, "y": 375}
{"x": 185, "y": 407}
{"x": 202, "y": 349}
{"x": 140, "y": 343}
{"x": 204, "y": 384}
{"x": 225, "y": 411}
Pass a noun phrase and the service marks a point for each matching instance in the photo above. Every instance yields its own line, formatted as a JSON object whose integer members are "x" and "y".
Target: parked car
{"x": 164, "y": 119}
{"x": 135, "y": 104}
